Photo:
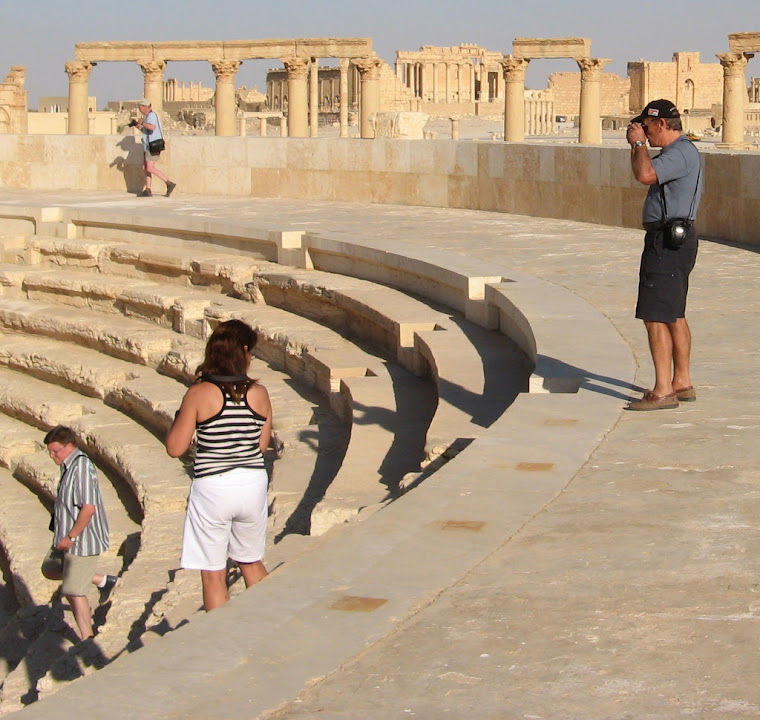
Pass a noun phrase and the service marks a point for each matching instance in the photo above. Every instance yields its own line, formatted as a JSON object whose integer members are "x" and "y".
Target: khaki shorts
{"x": 77, "y": 573}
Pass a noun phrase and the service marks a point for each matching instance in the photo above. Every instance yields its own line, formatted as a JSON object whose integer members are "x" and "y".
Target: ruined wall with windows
{"x": 686, "y": 80}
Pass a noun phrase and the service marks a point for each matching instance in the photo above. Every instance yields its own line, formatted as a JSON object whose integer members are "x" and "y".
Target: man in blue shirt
{"x": 675, "y": 187}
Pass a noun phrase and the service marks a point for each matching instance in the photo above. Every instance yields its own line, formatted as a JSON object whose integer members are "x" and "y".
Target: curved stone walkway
{"x": 633, "y": 594}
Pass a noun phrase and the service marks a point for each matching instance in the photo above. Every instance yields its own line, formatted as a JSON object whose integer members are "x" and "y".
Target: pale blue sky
{"x": 41, "y": 33}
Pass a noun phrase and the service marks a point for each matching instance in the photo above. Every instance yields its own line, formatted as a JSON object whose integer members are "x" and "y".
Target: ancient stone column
{"x": 514, "y": 101}
{"x": 79, "y": 79}
{"x": 369, "y": 69}
{"x": 454, "y": 128}
{"x": 734, "y": 96}
{"x": 153, "y": 82}
{"x": 590, "y": 123}
{"x": 343, "y": 64}
{"x": 314, "y": 97}
{"x": 224, "y": 99}
{"x": 262, "y": 127}
{"x": 298, "y": 94}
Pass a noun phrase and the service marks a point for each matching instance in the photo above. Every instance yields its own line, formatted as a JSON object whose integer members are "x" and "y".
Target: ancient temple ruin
{"x": 13, "y": 101}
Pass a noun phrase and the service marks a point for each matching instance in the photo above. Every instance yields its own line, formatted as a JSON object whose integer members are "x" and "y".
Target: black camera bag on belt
{"x": 675, "y": 232}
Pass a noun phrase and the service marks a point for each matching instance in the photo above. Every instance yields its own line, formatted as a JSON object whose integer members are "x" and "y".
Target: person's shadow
{"x": 130, "y": 165}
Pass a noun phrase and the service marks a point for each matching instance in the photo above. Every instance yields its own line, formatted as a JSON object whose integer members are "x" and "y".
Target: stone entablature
{"x": 222, "y": 50}
{"x": 548, "y": 48}
{"x": 13, "y": 101}
{"x": 744, "y": 42}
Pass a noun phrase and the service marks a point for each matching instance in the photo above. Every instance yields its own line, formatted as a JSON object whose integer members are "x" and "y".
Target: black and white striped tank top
{"x": 229, "y": 439}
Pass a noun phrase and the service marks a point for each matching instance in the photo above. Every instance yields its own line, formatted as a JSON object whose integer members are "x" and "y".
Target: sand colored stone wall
{"x": 57, "y": 123}
{"x": 566, "y": 90}
{"x": 592, "y": 184}
{"x": 686, "y": 80}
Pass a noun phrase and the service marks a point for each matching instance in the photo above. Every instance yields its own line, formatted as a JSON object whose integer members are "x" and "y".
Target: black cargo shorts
{"x": 664, "y": 278}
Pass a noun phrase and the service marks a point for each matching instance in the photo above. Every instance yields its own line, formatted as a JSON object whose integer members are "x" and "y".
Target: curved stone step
{"x": 194, "y": 263}
{"x": 466, "y": 361}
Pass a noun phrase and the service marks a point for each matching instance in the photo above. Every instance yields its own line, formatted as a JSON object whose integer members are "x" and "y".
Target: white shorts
{"x": 226, "y": 518}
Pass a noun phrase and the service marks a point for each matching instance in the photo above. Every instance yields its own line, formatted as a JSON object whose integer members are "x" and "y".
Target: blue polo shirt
{"x": 678, "y": 173}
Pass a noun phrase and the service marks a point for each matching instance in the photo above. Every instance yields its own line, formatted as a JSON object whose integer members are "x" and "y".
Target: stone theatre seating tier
{"x": 382, "y": 366}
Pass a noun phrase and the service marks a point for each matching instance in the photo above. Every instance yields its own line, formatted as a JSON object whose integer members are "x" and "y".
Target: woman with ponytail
{"x": 231, "y": 417}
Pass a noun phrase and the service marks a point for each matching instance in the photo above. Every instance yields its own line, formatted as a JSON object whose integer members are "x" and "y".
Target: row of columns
{"x": 303, "y": 93}
{"x": 455, "y": 90}
{"x": 590, "y": 125}
{"x": 303, "y": 124}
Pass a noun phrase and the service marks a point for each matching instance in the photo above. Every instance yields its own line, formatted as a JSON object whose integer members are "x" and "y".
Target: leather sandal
{"x": 650, "y": 401}
{"x": 687, "y": 394}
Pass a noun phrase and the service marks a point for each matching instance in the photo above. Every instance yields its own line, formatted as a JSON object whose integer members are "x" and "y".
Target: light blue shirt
{"x": 148, "y": 135}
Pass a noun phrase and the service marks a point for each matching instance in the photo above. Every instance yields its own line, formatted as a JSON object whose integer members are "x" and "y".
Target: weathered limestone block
{"x": 400, "y": 125}
{"x": 16, "y": 441}
{"x": 73, "y": 252}
{"x": 117, "y": 336}
{"x": 64, "y": 364}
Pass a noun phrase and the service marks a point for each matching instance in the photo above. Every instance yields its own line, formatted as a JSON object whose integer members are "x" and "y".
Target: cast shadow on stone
{"x": 329, "y": 443}
{"x": 506, "y": 370}
{"x": 561, "y": 377}
{"x": 131, "y": 164}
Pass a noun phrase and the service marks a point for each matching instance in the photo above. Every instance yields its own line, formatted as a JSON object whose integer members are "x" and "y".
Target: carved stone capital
{"x": 369, "y": 67}
{"x": 591, "y": 68}
{"x": 297, "y": 68}
{"x": 514, "y": 68}
{"x": 79, "y": 71}
{"x": 152, "y": 69}
{"x": 734, "y": 64}
{"x": 225, "y": 70}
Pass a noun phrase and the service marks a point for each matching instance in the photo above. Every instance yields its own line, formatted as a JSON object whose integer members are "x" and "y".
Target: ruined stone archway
{"x": 515, "y": 65}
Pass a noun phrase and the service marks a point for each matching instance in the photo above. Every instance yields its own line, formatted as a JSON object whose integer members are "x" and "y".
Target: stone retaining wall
{"x": 585, "y": 183}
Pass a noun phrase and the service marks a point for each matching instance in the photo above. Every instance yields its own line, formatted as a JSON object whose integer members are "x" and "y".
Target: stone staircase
{"x": 104, "y": 336}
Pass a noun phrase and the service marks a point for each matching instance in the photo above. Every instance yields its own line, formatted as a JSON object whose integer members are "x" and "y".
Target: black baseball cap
{"x": 658, "y": 109}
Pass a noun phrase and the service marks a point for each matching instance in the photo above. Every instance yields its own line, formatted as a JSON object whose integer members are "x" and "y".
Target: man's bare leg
{"x": 661, "y": 347}
{"x": 80, "y": 606}
{"x": 681, "y": 337}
